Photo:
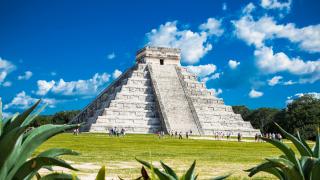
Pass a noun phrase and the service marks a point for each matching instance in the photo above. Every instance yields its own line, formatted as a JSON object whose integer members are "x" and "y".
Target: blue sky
{"x": 260, "y": 53}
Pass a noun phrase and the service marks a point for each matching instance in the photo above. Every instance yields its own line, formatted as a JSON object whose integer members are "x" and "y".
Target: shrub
{"x": 288, "y": 166}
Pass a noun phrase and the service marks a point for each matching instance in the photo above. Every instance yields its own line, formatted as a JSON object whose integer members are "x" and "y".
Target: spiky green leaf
{"x": 101, "y": 174}
{"x": 189, "y": 175}
{"x": 59, "y": 176}
{"x": 299, "y": 145}
{"x": 169, "y": 170}
{"x": 31, "y": 167}
{"x": 160, "y": 174}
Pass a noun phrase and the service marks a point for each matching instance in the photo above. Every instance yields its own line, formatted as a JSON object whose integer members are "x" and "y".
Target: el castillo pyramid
{"x": 158, "y": 94}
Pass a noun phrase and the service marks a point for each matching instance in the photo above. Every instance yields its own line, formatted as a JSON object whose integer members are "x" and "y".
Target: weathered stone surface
{"x": 159, "y": 94}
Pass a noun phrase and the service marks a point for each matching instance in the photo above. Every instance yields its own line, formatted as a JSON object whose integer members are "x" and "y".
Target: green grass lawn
{"x": 118, "y": 154}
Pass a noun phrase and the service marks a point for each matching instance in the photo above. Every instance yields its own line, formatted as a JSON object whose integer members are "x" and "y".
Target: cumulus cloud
{"x": 256, "y": 32}
{"x": 297, "y": 95}
{"x": 212, "y": 27}
{"x": 211, "y": 77}
{"x": 116, "y": 73}
{"x": 290, "y": 82}
{"x": 7, "y": 84}
{"x": 202, "y": 70}
{"x": 274, "y": 81}
{"x": 193, "y": 45}
{"x": 233, "y": 64}
{"x": 111, "y": 56}
{"x": 6, "y": 67}
{"x": 27, "y": 75}
{"x": 270, "y": 62}
{"x": 70, "y": 88}
{"x": 255, "y": 94}
{"x": 275, "y": 4}
{"x": 23, "y": 101}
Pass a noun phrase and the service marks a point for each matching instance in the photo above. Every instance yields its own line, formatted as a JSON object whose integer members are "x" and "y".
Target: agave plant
{"x": 169, "y": 173}
{"x": 18, "y": 143}
{"x": 290, "y": 165}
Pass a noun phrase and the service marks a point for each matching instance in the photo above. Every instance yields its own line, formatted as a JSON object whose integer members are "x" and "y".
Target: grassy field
{"x": 118, "y": 154}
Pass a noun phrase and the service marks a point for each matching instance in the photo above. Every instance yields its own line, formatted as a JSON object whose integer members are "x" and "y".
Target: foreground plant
{"x": 169, "y": 173}
{"x": 18, "y": 142}
{"x": 289, "y": 166}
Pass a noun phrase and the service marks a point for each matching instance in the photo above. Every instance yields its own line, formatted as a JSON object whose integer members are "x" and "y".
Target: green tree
{"x": 303, "y": 114}
{"x": 243, "y": 110}
{"x": 262, "y": 118}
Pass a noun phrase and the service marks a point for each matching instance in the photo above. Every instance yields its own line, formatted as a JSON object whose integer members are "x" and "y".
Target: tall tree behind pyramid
{"x": 158, "y": 94}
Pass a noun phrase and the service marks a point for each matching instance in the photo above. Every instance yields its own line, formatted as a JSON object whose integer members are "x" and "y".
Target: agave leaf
{"x": 316, "y": 149}
{"x": 266, "y": 167}
{"x": 31, "y": 167}
{"x": 221, "y": 177}
{"x": 159, "y": 173}
{"x": 287, "y": 167}
{"x": 4, "y": 123}
{"x": 8, "y": 143}
{"x": 189, "y": 175}
{"x": 59, "y": 176}
{"x": 19, "y": 119}
{"x": 54, "y": 152}
{"x": 315, "y": 172}
{"x": 303, "y": 141}
{"x": 286, "y": 150}
{"x": 101, "y": 174}
{"x": 307, "y": 164}
{"x": 144, "y": 173}
{"x": 169, "y": 170}
{"x": 299, "y": 145}
{"x": 35, "y": 139}
{"x": 31, "y": 117}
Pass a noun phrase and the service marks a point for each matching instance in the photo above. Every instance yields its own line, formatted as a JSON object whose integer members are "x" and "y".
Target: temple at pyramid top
{"x": 159, "y": 55}
{"x": 158, "y": 94}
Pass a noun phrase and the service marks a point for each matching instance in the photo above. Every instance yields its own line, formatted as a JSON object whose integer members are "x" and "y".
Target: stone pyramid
{"x": 158, "y": 94}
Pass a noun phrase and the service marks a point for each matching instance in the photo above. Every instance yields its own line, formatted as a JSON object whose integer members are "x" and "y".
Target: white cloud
{"x": 116, "y": 73}
{"x": 202, "y": 70}
{"x": 193, "y": 45}
{"x": 6, "y": 67}
{"x": 290, "y": 82}
{"x": 270, "y": 62}
{"x": 255, "y": 94}
{"x": 44, "y": 86}
{"x": 7, "y": 84}
{"x": 21, "y": 101}
{"x": 274, "y": 81}
{"x": 257, "y": 32}
{"x": 7, "y": 114}
{"x": 80, "y": 87}
{"x": 291, "y": 98}
{"x": 275, "y": 4}
{"x": 216, "y": 92}
{"x": 212, "y": 27}
{"x": 27, "y": 75}
{"x": 211, "y": 77}
{"x": 248, "y": 8}
{"x": 224, "y": 6}
{"x": 24, "y": 101}
{"x": 111, "y": 56}
{"x": 233, "y": 64}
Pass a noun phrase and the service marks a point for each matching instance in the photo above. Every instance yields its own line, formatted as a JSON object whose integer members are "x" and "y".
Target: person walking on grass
{"x": 180, "y": 135}
{"x": 187, "y": 135}
{"x": 239, "y": 137}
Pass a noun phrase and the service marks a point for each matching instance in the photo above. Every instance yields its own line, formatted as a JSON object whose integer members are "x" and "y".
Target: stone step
{"x": 133, "y": 104}
{"x": 133, "y": 130}
{"x": 125, "y": 112}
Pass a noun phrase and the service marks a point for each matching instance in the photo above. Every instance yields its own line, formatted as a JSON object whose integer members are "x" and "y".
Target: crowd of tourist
{"x": 175, "y": 134}
{"x": 117, "y": 131}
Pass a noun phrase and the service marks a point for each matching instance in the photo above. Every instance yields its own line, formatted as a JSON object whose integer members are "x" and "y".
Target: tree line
{"x": 302, "y": 114}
